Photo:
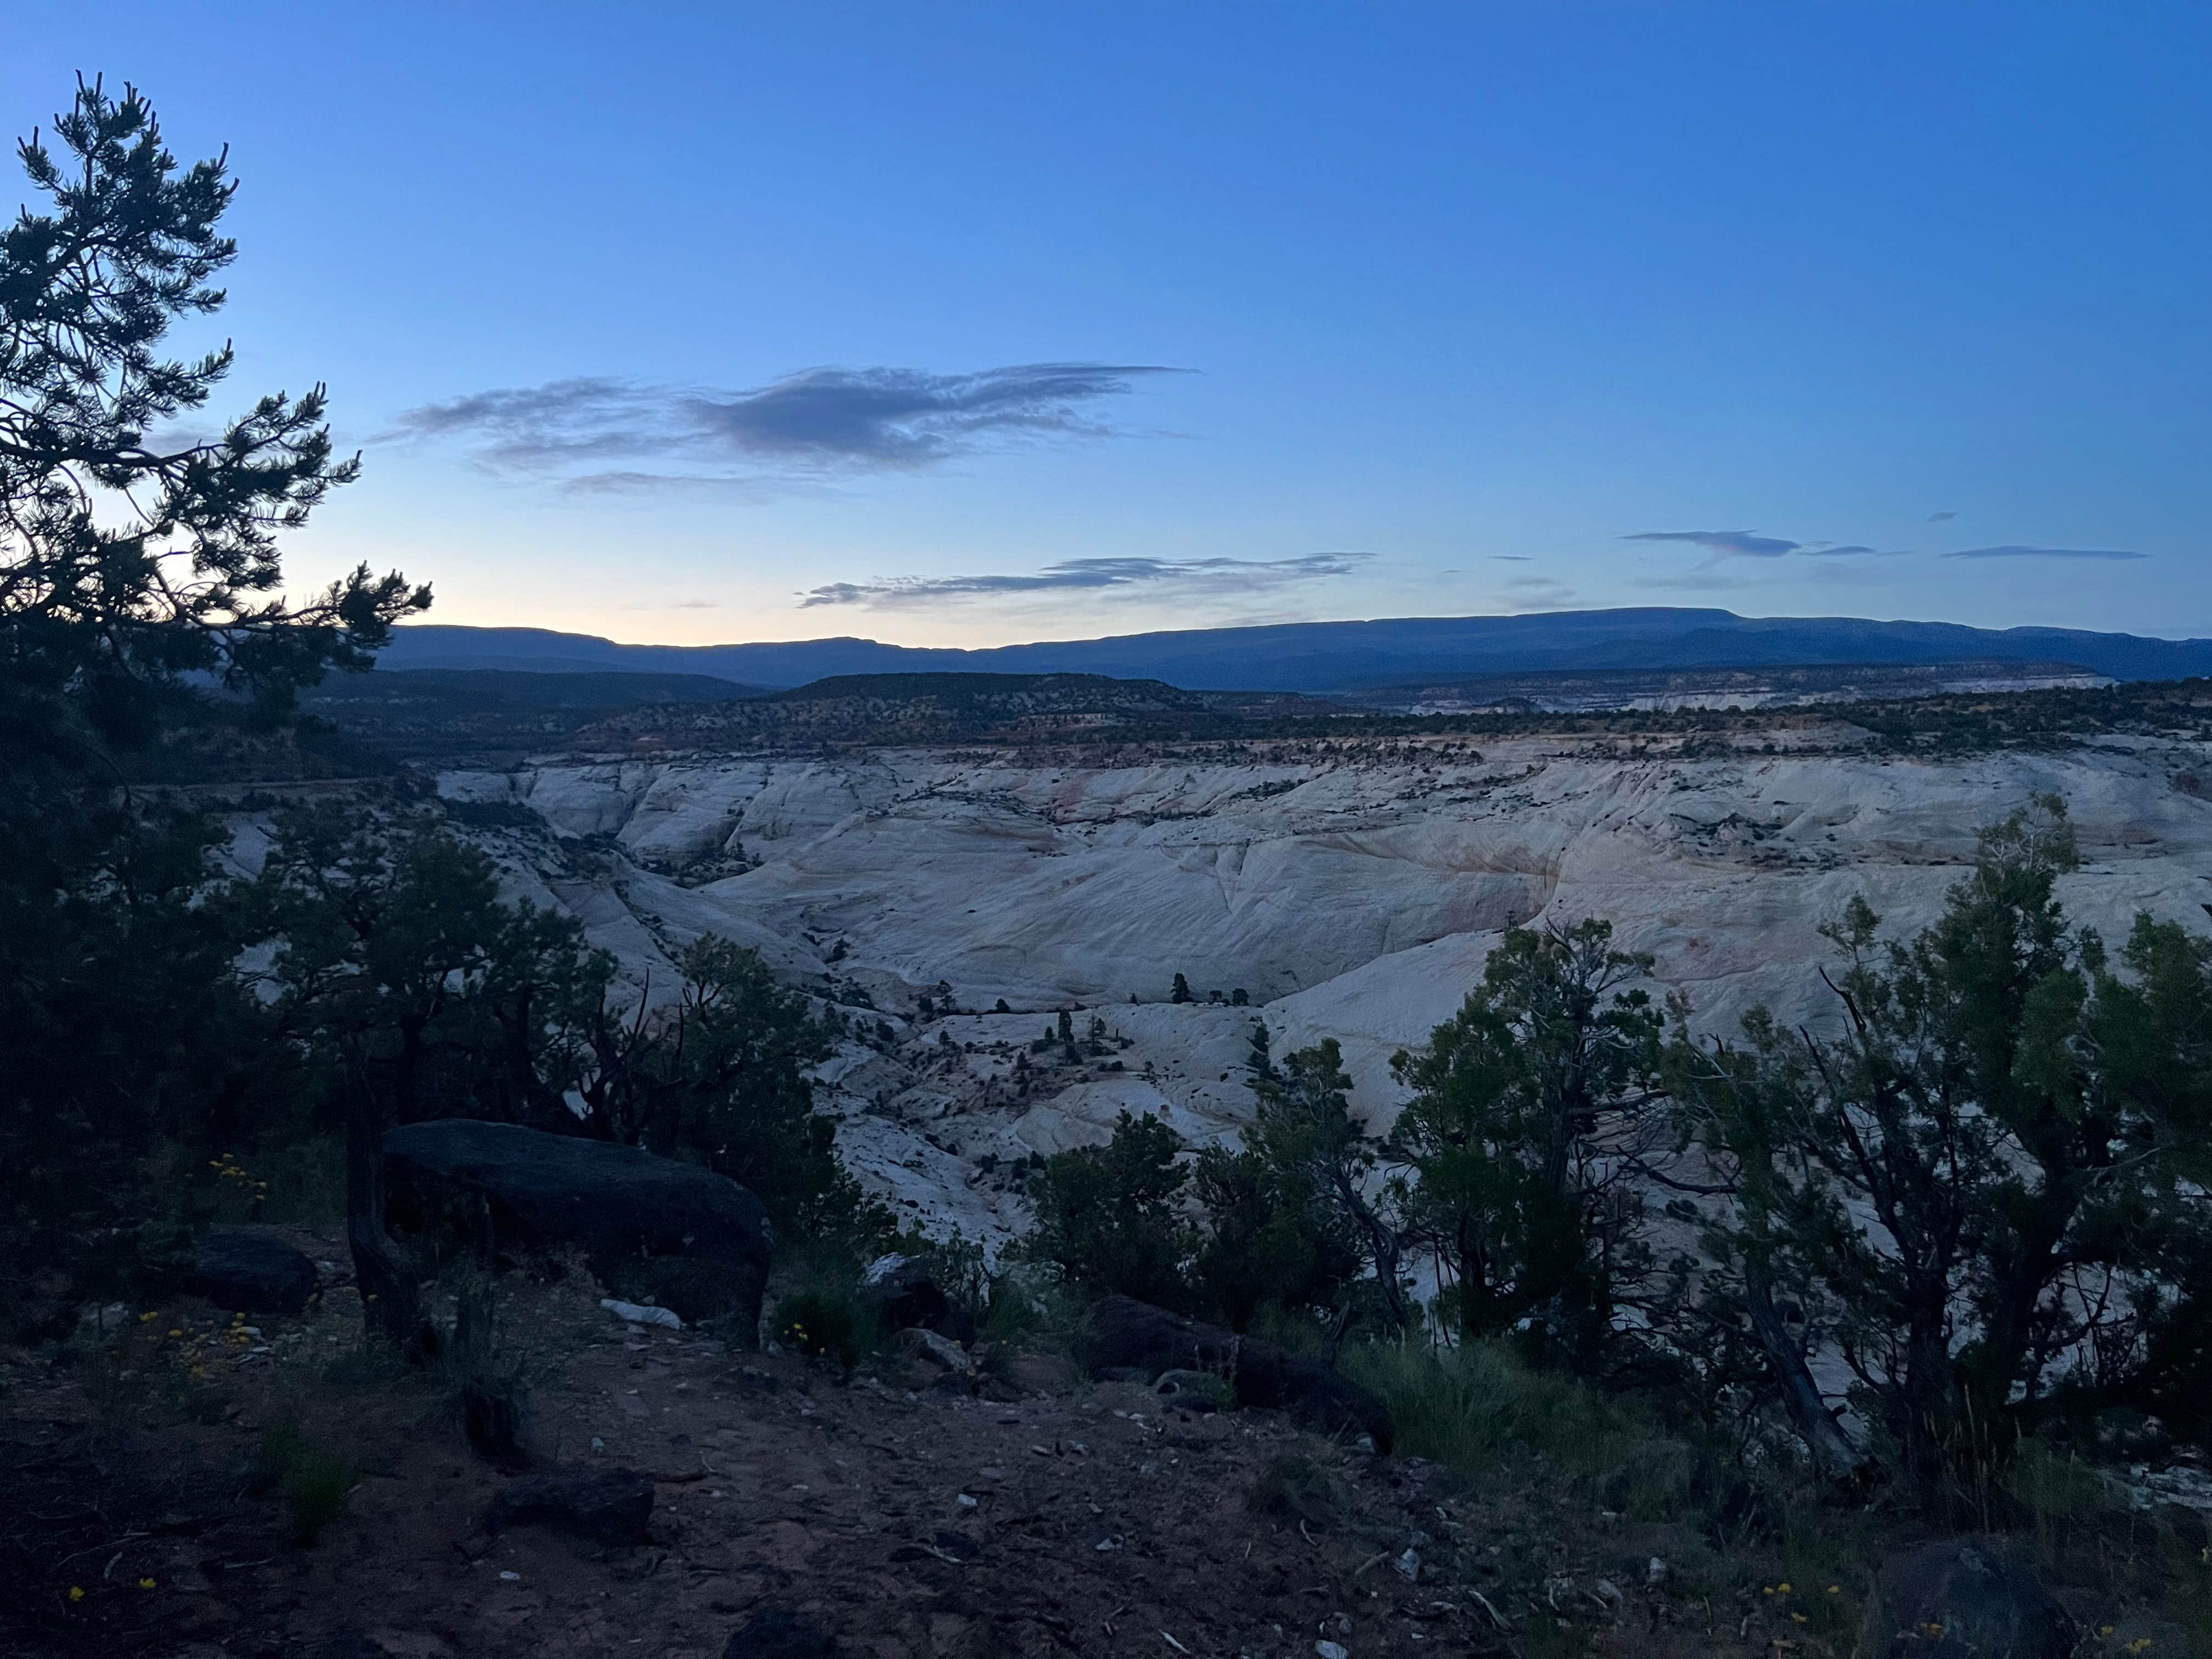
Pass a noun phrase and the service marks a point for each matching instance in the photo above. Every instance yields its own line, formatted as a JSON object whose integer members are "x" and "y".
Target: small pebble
{"x": 511, "y": 1577}
{"x": 1332, "y": 1650}
{"x": 966, "y": 1502}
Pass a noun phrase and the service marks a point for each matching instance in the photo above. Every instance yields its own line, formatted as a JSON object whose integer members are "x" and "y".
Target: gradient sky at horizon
{"x": 967, "y": 325}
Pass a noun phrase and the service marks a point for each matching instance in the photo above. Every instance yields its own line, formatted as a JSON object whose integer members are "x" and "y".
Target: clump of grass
{"x": 1470, "y": 1406}
{"x": 316, "y": 1482}
{"x": 482, "y": 1373}
{"x": 820, "y": 1324}
{"x": 2054, "y": 1485}
{"x": 1027, "y": 1310}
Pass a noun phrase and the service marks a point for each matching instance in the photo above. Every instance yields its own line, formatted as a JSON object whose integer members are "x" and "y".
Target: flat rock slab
{"x": 655, "y": 1230}
{"x": 253, "y": 1270}
{"x": 604, "y": 1505}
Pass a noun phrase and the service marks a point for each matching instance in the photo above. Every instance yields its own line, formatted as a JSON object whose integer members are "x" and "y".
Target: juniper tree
{"x": 1986, "y": 1190}
{"x": 1532, "y": 1107}
{"x": 139, "y": 572}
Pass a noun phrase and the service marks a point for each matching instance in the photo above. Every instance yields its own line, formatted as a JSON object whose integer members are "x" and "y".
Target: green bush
{"x": 316, "y": 1482}
{"x": 1468, "y": 1407}
{"x": 1109, "y": 1219}
{"x": 820, "y": 1324}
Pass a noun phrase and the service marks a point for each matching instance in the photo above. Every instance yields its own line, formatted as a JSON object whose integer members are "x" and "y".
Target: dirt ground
{"x": 1064, "y": 1518}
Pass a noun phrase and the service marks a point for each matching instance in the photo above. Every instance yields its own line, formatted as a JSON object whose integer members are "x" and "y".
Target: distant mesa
{"x": 1343, "y": 658}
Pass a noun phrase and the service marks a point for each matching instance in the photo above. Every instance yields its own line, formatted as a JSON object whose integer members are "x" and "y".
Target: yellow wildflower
{"x": 145, "y": 1583}
{"x": 1783, "y": 1587}
{"x": 1799, "y": 1617}
{"x": 76, "y": 1592}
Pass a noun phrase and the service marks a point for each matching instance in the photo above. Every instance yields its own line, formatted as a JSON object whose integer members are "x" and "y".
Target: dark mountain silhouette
{"x": 1341, "y": 656}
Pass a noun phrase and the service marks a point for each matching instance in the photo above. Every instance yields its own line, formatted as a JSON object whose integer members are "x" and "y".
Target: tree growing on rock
{"x": 1304, "y": 1134}
{"x": 721, "y": 1077}
{"x": 1109, "y": 1219}
{"x": 396, "y": 961}
{"x": 1532, "y": 1108}
{"x": 1987, "y": 1190}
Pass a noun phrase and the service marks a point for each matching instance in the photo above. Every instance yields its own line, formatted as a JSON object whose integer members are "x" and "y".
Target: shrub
{"x": 820, "y": 1324}
{"x": 315, "y": 1482}
{"x": 1467, "y": 1407}
{"x": 1109, "y": 1218}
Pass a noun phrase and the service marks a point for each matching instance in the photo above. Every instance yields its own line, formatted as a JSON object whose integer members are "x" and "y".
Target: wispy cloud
{"x": 1723, "y": 543}
{"x": 1513, "y": 558}
{"x": 1944, "y": 517}
{"x": 1211, "y": 576}
{"x": 816, "y": 422}
{"x": 2045, "y": 553}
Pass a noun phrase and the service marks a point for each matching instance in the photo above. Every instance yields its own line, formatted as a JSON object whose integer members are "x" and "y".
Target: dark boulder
{"x": 653, "y": 1229}
{"x": 778, "y": 1633}
{"x": 253, "y": 1270}
{"x": 903, "y": 1294}
{"x": 1131, "y": 1337}
{"x": 602, "y": 1505}
{"x": 1958, "y": 1597}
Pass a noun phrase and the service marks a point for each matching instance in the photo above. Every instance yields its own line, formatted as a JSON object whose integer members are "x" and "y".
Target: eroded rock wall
{"x": 1350, "y": 890}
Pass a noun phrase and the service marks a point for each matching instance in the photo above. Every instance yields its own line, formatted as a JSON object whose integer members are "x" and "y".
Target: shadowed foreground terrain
{"x": 1049, "y": 1516}
{"x": 894, "y": 1508}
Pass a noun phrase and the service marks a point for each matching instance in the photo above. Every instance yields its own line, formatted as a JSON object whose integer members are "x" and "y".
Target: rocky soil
{"x": 1043, "y": 1516}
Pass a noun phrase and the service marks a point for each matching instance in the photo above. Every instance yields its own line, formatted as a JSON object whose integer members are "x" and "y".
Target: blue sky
{"x": 955, "y": 324}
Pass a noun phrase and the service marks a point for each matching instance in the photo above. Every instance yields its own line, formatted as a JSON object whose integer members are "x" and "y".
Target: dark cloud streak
{"x": 1215, "y": 576}
{"x": 1723, "y": 543}
{"x": 815, "y": 421}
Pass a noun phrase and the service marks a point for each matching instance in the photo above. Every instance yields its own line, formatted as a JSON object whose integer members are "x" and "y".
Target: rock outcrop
{"x": 253, "y": 1270}
{"x": 1350, "y": 889}
{"x": 653, "y": 1229}
{"x": 1958, "y": 1597}
{"x": 1132, "y": 1336}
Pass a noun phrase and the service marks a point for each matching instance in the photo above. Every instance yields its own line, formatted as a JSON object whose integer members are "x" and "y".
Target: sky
{"x": 965, "y": 325}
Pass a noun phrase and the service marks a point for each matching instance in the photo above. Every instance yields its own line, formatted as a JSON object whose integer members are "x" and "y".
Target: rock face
{"x": 1351, "y": 889}
{"x": 1130, "y": 1336}
{"x": 1957, "y": 1597}
{"x": 653, "y": 1229}
{"x": 601, "y": 1505}
{"x": 253, "y": 1270}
